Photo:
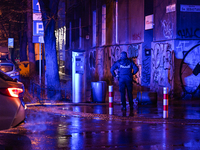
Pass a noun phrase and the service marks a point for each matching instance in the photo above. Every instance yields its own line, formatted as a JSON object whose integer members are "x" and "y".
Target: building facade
{"x": 162, "y": 38}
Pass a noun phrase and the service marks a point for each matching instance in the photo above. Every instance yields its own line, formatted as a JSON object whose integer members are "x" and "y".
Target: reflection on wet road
{"x": 147, "y": 111}
{"x": 77, "y": 127}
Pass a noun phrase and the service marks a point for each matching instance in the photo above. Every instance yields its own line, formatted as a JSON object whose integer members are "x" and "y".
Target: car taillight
{"x": 14, "y": 92}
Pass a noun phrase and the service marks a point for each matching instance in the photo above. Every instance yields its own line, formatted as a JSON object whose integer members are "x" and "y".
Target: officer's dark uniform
{"x": 126, "y": 70}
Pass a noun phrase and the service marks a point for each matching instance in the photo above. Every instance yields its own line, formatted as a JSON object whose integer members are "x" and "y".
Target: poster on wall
{"x": 170, "y": 8}
{"x": 149, "y": 22}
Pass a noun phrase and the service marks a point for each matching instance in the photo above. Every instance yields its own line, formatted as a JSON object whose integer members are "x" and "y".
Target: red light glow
{"x": 14, "y": 92}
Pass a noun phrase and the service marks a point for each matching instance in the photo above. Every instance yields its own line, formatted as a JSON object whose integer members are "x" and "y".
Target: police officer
{"x": 126, "y": 69}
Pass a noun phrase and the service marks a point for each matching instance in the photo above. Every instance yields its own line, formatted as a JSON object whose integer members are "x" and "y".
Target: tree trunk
{"x": 49, "y": 9}
{"x": 23, "y": 45}
{"x": 31, "y": 51}
{"x": 52, "y": 75}
{"x": 23, "y": 36}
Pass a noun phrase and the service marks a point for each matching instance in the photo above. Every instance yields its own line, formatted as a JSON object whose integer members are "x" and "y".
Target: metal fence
{"x": 42, "y": 92}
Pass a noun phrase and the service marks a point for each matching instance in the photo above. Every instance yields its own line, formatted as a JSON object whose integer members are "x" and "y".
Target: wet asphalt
{"x": 88, "y": 126}
{"x": 180, "y": 111}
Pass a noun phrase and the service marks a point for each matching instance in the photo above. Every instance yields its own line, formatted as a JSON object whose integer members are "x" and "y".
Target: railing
{"x": 43, "y": 93}
{"x": 49, "y": 93}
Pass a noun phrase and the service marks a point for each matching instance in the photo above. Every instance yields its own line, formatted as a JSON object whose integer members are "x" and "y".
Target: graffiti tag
{"x": 146, "y": 70}
{"x": 136, "y": 36}
{"x": 189, "y": 33}
{"x": 133, "y": 51}
{"x": 167, "y": 29}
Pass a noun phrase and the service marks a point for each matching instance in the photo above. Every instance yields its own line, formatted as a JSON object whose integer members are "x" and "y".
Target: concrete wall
{"x": 165, "y": 22}
{"x": 131, "y": 21}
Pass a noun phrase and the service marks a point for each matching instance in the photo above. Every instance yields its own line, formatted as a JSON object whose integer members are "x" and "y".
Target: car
{"x": 12, "y": 107}
{"x": 9, "y": 68}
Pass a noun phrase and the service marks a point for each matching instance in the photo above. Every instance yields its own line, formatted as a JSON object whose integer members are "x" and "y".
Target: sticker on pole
{"x": 10, "y": 42}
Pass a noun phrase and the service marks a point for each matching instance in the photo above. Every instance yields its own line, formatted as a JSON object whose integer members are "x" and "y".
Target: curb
{"x": 107, "y": 117}
{"x": 64, "y": 104}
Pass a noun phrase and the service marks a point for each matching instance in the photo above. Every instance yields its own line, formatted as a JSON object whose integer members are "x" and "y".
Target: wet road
{"x": 91, "y": 127}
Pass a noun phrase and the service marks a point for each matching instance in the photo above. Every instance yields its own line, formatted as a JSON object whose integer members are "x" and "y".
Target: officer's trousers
{"x": 123, "y": 85}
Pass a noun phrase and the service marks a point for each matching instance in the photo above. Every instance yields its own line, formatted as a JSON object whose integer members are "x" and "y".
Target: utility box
{"x": 24, "y": 68}
{"x": 78, "y": 76}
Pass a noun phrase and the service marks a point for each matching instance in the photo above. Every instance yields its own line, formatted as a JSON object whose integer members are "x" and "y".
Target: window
{"x": 70, "y": 35}
{"x": 94, "y": 29}
{"x": 103, "y": 24}
{"x": 116, "y": 16}
{"x": 80, "y": 33}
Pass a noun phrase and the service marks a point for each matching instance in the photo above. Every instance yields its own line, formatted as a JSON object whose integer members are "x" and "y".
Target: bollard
{"x": 111, "y": 100}
{"x": 165, "y": 102}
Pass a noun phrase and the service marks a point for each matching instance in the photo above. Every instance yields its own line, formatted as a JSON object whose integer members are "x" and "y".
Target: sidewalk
{"x": 180, "y": 111}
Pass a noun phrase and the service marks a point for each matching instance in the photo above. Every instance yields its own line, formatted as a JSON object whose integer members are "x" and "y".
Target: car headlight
{"x": 14, "y": 74}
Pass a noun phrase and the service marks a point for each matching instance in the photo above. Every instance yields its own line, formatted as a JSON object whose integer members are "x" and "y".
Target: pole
{"x": 40, "y": 63}
{"x": 111, "y": 100}
{"x": 41, "y": 40}
{"x": 165, "y": 102}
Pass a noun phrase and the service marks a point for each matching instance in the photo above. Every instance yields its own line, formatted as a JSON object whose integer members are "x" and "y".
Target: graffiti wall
{"x": 134, "y": 51}
{"x": 188, "y": 71}
{"x": 188, "y": 52}
{"x": 162, "y": 67}
{"x": 146, "y": 68}
{"x": 176, "y": 64}
{"x": 146, "y": 58}
{"x": 101, "y": 59}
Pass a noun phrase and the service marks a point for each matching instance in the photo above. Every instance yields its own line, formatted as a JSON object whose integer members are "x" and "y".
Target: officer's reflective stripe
{"x": 121, "y": 66}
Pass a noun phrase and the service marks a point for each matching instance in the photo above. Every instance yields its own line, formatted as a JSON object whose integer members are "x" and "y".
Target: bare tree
{"x": 12, "y": 25}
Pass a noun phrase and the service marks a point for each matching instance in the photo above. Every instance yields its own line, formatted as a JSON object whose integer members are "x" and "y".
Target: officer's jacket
{"x": 126, "y": 68}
